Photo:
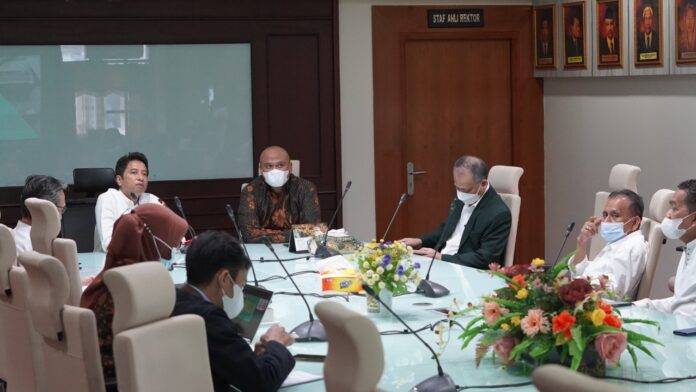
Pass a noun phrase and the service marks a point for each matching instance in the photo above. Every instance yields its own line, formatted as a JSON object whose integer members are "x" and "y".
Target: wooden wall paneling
{"x": 557, "y": 37}
{"x": 665, "y": 20}
{"x": 625, "y": 49}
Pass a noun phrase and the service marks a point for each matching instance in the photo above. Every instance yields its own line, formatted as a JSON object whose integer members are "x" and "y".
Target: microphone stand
{"x": 324, "y": 251}
{"x": 309, "y": 331}
{"x": 569, "y": 229}
{"x": 428, "y": 287}
{"x": 230, "y": 213}
{"x": 402, "y": 200}
{"x": 442, "y": 382}
{"x": 179, "y": 207}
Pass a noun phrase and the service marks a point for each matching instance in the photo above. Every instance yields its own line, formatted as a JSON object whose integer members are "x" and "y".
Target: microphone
{"x": 230, "y": 213}
{"x": 428, "y": 287}
{"x": 179, "y": 207}
{"x": 402, "y": 200}
{"x": 568, "y": 230}
{"x": 440, "y": 383}
{"x": 324, "y": 251}
{"x": 309, "y": 331}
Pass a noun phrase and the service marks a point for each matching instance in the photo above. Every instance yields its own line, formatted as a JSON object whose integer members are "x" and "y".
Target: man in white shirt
{"x": 680, "y": 223}
{"x": 477, "y": 227}
{"x": 40, "y": 187}
{"x": 622, "y": 260}
{"x": 131, "y": 178}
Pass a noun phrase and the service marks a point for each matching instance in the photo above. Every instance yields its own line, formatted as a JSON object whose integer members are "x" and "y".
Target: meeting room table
{"x": 407, "y": 362}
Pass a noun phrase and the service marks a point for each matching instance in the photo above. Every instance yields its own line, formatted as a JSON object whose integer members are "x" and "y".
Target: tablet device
{"x": 256, "y": 300}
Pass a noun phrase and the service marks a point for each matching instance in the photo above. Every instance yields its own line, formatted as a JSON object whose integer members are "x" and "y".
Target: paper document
{"x": 297, "y": 377}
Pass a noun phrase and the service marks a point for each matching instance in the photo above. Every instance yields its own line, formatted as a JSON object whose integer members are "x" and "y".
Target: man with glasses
{"x": 621, "y": 262}
{"x": 40, "y": 187}
{"x": 276, "y": 199}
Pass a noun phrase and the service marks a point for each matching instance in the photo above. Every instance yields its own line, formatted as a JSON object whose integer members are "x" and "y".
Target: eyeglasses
{"x": 270, "y": 166}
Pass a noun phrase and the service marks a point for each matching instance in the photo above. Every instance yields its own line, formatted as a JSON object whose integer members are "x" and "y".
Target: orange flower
{"x": 605, "y": 307}
{"x": 519, "y": 279}
{"x": 562, "y": 323}
{"x": 612, "y": 321}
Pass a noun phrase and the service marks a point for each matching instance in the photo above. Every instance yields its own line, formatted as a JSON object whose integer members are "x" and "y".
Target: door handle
{"x": 410, "y": 172}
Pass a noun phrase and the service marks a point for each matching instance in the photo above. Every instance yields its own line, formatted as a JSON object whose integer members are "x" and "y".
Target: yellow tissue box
{"x": 345, "y": 282}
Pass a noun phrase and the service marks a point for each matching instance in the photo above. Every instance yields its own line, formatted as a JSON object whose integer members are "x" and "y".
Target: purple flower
{"x": 400, "y": 270}
{"x": 416, "y": 265}
{"x": 386, "y": 260}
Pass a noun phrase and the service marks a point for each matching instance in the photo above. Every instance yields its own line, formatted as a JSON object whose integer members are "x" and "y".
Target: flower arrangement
{"x": 544, "y": 316}
{"x": 386, "y": 266}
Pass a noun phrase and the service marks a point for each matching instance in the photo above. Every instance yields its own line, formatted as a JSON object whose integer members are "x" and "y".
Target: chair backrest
{"x": 295, "y": 170}
{"x": 20, "y": 347}
{"x": 659, "y": 205}
{"x": 505, "y": 180}
{"x": 93, "y": 181}
{"x": 355, "y": 360}
{"x": 69, "y": 344}
{"x": 148, "y": 344}
{"x": 45, "y": 227}
{"x": 554, "y": 378}
{"x": 621, "y": 176}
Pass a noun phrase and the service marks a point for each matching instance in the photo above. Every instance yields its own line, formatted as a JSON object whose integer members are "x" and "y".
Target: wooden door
{"x": 443, "y": 93}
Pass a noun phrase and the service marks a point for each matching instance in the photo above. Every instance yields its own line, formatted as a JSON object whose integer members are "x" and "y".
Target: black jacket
{"x": 485, "y": 235}
{"x": 232, "y": 361}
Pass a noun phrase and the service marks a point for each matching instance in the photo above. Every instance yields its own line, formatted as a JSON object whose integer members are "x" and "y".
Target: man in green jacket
{"x": 475, "y": 233}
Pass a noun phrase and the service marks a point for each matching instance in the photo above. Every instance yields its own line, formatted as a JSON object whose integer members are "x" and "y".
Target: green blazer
{"x": 485, "y": 235}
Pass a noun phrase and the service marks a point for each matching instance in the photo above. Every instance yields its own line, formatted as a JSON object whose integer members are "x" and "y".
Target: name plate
{"x": 648, "y": 56}
{"x": 443, "y": 18}
{"x": 575, "y": 60}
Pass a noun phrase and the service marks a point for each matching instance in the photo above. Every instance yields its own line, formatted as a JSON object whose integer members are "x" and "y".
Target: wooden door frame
{"x": 393, "y": 26}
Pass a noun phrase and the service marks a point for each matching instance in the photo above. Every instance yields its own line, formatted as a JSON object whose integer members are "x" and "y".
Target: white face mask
{"x": 670, "y": 227}
{"x": 276, "y": 177}
{"x": 468, "y": 198}
{"x": 233, "y": 306}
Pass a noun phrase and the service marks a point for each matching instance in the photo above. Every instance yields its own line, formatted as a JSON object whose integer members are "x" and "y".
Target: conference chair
{"x": 79, "y": 220}
{"x": 93, "y": 181}
{"x": 295, "y": 170}
{"x": 152, "y": 351}
{"x": 622, "y": 176}
{"x": 20, "y": 348}
{"x": 554, "y": 378}
{"x": 355, "y": 360}
{"x": 505, "y": 180}
{"x": 45, "y": 227}
{"x": 651, "y": 226}
{"x": 69, "y": 343}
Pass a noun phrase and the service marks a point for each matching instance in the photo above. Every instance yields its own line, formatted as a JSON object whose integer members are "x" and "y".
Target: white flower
{"x": 380, "y": 270}
{"x": 396, "y": 278}
{"x": 366, "y": 265}
{"x": 375, "y": 278}
{"x": 389, "y": 267}
{"x": 381, "y": 285}
{"x": 404, "y": 279}
{"x": 369, "y": 273}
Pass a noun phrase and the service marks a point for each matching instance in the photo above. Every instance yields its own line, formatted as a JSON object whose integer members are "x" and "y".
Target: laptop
{"x": 256, "y": 301}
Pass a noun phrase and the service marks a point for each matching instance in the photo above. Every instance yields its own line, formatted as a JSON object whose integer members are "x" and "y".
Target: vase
{"x": 376, "y": 308}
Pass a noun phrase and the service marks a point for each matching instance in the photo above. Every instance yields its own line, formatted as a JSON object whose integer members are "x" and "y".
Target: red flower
{"x": 574, "y": 291}
{"x": 612, "y": 321}
{"x": 563, "y": 323}
{"x": 519, "y": 280}
{"x": 605, "y": 307}
{"x": 516, "y": 269}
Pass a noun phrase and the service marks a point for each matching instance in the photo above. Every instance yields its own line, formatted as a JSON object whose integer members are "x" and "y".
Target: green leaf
{"x": 641, "y": 321}
{"x": 642, "y": 348}
{"x": 472, "y": 322}
{"x": 633, "y": 356}
{"x": 637, "y": 337}
{"x": 520, "y": 348}
{"x": 472, "y": 335}
{"x": 542, "y": 347}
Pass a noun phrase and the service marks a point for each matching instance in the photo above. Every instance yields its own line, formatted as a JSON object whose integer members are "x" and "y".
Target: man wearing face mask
{"x": 680, "y": 223}
{"x": 478, "y": 224}
{"x": 216, "y": 270}
{"x": 623, "y": 258}
{"x": 275, "y": 200}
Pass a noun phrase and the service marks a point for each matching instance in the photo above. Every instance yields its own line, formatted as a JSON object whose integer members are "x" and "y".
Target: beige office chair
{"x": 555, "y": 378}
{"x": 20, "y": 347}
{"x": 355, "y": 360}
{"x": 152, "y": 351}
{"x": 505, "y": 180}
{"x": 45, "y": 227}
{"x": 651, "y": 226}
{"x": 622, "y": 176}
{"x": 69, "y": 344}
{"x": 295, "y": 170}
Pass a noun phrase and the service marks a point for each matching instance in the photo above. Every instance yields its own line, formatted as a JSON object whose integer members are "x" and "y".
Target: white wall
{"x": 357, "y": 121}
{"x": 592, "y": 124}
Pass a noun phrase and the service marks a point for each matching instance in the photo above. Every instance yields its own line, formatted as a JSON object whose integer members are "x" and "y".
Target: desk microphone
{"x": 440, "y": 383}
{"x": 402, "y": 200}
{"x": 230, "y": 213}
{"x": 568, "y": 230}
{"x": 179, "y": 207}
{"x": 324, "y": 251}
{"x": 309, "y": 331}
{"x": 428, "y": 287}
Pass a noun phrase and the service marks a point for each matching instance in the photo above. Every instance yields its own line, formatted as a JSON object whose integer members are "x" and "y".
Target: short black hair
{"x": 689, "y": 186}
{"x": 475, "y": 165}
{"x": 123, "y": 162}
{"x": 41, "y": 187}
{"x": 211, "y": 251}
{"x": 636, "y": 207}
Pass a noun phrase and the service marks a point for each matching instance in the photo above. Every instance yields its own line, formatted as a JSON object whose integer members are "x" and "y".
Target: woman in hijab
{"x": 138, "y": 236}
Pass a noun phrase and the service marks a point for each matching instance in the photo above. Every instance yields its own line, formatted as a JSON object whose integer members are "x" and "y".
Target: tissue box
{"x": 345, "y": 282}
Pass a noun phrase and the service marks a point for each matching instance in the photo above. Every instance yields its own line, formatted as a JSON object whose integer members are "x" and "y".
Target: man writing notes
{"x": 477, "y": 227}
{"x": 623, "y": 258}
{"x": 680, "y": 223}
{"x": 131, "y": 178}
{"x": 275, "y": 200}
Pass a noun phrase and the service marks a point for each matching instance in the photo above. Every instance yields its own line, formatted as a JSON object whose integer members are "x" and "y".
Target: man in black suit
{"x": 574, "y": 43}
{"x": 216, "y": 270}
{"x": 648, "y": 39}
{"x": 476, "y": 231}
{"x": 609, "y": 44}
{"x": 545, "y": 44}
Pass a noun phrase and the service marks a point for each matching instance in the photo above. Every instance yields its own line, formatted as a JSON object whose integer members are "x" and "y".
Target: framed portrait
{"x": 648, "y": 32}
{"x": 685, "y": 29}
{"x": 544, "y": 49}
{"x": 609, "y": 39}
{"x": 574, "y": 48}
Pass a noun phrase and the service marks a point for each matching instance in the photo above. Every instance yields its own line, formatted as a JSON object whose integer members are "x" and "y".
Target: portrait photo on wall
{"x": 544, "y": 17}
{"x": 685, "y": 28}
{"x": 574, "y": 32}
{"x": 648, "y": 32}
{"x": 609, "y": 33}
